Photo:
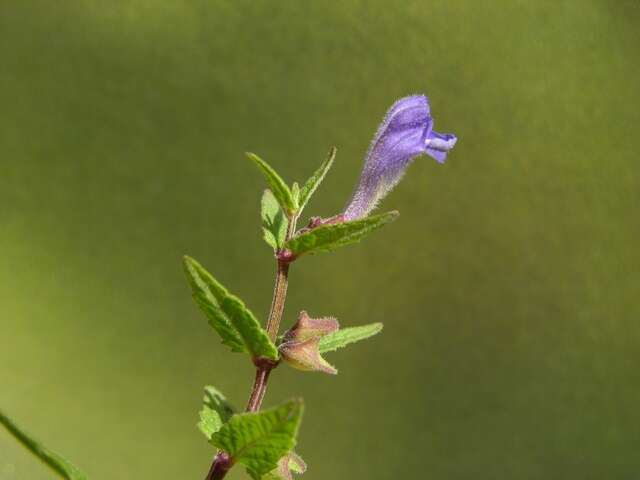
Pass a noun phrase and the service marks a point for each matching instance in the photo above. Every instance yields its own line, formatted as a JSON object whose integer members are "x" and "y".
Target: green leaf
{"x": 295, "y": 192}
{"x": 278, "y": 186}
{"x": 316, "y": 179}
{"x": 260, "y": 440}
{"x": 217, "y": 401}
{"x": 227, "y": 314}
{"x": 210, "y": 421}
{"x": 330, "y": 237}
{"x": 345, "y": 336}
{"x": 255, "y": 338}
{"x": 208, "y": 294}
{"x": 216, "y": 411}
{"x": 274, "y": 221}
{"x": 61, "y": 466}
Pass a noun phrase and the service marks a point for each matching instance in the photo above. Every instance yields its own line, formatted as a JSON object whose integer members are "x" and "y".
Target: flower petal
{"x": 438, "y": 144}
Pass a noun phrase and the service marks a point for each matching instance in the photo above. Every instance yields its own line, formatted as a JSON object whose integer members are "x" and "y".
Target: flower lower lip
{"x": 440, "y": 145}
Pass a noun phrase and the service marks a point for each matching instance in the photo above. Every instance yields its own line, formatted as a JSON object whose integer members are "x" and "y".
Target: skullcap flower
{"x": 405, "y": 133}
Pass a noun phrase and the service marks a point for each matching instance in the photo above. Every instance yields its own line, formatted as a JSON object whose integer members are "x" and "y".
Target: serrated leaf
{"x": 254, "y": 336}
{"x": 274, "y": 221}
{"x": 228, "y": 315}
{"x": 277, "y": 185}
{"x": 260, "y": 440}
{"x": 216, "y": 411}
{"x": 316, "y": 179}
{"x": 332, "y": 236}
{"x": 62, "y": 467}
{"x": 208, "y": 294}
{"x": 345, "y": 336}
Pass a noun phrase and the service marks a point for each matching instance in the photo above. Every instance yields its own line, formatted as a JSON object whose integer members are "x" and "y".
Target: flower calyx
{"x": 300, "y": 344}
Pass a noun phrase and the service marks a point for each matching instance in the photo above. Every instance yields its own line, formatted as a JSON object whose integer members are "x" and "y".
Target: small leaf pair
{"x": 228, "y": 315}
{"x": 292, "y": 200}
{"x": 280, "y": 204}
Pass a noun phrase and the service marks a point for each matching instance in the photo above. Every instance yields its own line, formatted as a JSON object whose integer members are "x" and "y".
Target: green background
{"x": 509, "y": 286}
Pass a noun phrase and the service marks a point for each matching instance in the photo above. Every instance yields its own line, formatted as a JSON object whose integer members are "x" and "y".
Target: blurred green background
{"x": 509, "y": 286}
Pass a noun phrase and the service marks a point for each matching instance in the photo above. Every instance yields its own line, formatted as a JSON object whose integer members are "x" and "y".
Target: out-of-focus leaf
{"x": 57, "y": 463}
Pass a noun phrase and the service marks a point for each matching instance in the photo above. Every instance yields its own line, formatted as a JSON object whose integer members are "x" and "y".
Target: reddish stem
{"x": 222, "y": 461}
{"x": 220, "y": 466}
{"x": 259, "y": 387}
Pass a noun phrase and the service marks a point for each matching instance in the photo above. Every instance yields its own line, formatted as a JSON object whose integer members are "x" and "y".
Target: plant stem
{"x": 280, "y": 288}
{"x": 279, "y": 297}
{"x": 222, "y": 462}
{"x": 220, "y": 466}
{"x": 259, "y": 388}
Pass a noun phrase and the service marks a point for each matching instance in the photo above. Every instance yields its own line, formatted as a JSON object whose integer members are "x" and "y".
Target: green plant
{"x": 264, "y": 440}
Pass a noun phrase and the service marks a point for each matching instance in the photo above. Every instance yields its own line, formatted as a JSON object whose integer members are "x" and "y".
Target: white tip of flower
{"x": 441, "y": 144}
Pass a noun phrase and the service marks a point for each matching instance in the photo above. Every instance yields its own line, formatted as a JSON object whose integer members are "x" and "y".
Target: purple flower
{"x": 405, "y": 133}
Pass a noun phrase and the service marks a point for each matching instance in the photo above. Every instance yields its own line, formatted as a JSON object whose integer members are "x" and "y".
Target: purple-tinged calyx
{"x": 287, "y": 464}
{"x": 405, "y": 133}
{"x": 300, "y": 345}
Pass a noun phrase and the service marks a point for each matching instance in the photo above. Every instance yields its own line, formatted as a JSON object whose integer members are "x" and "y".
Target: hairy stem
{"x": 279, "y": 297}
{"x": 280, "y": 288}
{"x": 259, "y": 388}
{"x": 222, "y": 462}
